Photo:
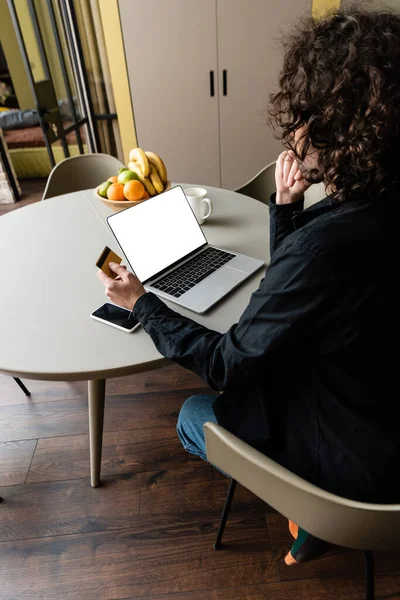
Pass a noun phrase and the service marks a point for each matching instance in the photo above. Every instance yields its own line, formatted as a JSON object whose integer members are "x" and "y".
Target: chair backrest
{"x": 332, "y": 518}
{"x": 262, "y": 185}
{"x": 315, "y": 193}
{"x": 80, "y": 173}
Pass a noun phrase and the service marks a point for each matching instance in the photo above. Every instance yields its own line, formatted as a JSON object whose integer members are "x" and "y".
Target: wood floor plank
{"x": 41, "y": 391}
{"x": 31, "y": 191}
{"x": 45, "y": 419}
{"x": 70, "y": 417}
{"x": 184, "y": 494}
{"x": 387, "y": 588}
{"x": 171, "y": 377}
{"x": 15, "y": 459}
{"x": 15, "y": 477}
{"x": 338, "y": 562}
{"x": 130, "y": 451}
{"x": 266, "y": 591}
{"x": 67, "y": 507}
{"x": 16, "y": 455}
{"x": 135, "y": 562}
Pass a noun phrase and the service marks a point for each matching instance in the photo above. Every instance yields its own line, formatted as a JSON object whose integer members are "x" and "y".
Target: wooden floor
{"x": 148, "y": 530}
{"x": 31, "y": 191}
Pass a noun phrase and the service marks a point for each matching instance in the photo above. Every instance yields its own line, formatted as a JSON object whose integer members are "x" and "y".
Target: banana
{"x": 134, "y": 166}
{"x": 156, "y": 160}
{"x": 155, "y": 179}
{"x": 138, "y": 155}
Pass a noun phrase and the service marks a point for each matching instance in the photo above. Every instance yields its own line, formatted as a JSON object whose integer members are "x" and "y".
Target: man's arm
{"x": 289, "y": 197}
{"x": 280, "y": 221}
{"x": 296, "y": 293}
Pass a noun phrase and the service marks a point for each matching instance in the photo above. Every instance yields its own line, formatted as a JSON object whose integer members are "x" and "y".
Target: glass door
{"x": 60, "y": 43}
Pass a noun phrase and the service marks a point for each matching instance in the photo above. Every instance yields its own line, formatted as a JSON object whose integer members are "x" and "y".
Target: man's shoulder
{"x": 344, "y": 231}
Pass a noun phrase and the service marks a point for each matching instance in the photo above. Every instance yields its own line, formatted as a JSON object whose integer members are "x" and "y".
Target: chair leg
{"x": 369, "y": 576}
{"x": 22, "y": 386}
{"x": 225, "y": 512}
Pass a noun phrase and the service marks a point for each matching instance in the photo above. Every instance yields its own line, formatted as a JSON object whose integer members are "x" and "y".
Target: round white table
{"x": 49, "y": 289}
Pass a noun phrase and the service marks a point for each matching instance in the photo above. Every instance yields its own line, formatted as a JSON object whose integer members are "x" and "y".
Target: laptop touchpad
{"x": 222, "y": 280}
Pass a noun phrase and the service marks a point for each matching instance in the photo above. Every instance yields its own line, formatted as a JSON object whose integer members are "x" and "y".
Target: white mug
{"x": 201, "y": 205}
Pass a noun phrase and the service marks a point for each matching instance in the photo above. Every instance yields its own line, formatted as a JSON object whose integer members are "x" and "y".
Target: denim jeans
{"x": 195, "y": 411}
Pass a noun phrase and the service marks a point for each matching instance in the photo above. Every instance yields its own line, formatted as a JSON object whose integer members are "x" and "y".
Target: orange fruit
{"x": 134, "y": 190}
{"x": 116, "y": 192}
{"x": 145, "y": 195}
{"x": 113, "y": 179}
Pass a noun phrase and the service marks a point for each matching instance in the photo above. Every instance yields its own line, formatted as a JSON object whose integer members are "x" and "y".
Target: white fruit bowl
{"x": 122, "y": 204}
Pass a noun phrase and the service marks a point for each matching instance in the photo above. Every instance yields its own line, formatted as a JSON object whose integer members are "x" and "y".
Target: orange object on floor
{"x": 305, "y": 546}
{"x": 294, "y": 529}
{"x": 289, "y": 560}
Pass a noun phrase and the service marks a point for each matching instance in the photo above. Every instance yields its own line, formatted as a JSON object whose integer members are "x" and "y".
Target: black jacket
{"x": 308, "y": 373}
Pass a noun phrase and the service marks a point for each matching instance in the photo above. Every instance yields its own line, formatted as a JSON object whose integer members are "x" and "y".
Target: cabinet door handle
{"x": 211, "y": 83}
{"x": 225, "y": 82}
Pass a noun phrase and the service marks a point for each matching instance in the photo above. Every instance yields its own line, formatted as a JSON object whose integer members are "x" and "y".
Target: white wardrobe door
{"x": 170, "y": 48}
{"x": 250, "y": 52}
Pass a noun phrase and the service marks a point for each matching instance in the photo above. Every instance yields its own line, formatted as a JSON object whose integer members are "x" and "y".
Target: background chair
{"x": 343, "y": 522}
{"x": 22, "y": 386}
{"x": 80, "y": 173}
{"x": 262, "y": 185}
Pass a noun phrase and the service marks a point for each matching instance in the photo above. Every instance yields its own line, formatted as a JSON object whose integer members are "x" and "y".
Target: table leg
{"x": 96, "y": 397}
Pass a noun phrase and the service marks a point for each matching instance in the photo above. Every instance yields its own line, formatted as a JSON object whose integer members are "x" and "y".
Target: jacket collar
{"x": 302, "y": 217}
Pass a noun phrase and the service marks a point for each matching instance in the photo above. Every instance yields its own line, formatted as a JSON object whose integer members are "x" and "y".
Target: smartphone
{"x": 116, "y": 316}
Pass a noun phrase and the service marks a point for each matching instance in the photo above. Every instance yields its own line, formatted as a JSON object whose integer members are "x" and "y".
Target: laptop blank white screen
{"x": 158, "y": 232}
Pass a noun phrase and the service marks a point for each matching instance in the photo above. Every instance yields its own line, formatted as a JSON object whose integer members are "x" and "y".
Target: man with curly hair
{"x": 307, "y": 374}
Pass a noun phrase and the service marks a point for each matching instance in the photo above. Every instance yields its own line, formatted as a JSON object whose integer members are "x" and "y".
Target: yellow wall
{"x": 51, "y": 49}
{"x": 28, "y": 34}
{"x": 321, "y": 7}
{"x": 14, "y": 60}
{"x": 13, "y": 55}
{"x": 119, "y": 74}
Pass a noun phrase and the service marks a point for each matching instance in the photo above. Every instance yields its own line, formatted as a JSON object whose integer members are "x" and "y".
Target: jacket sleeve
{"x": 282, "y": 313}
{"x": 281, "y": 224}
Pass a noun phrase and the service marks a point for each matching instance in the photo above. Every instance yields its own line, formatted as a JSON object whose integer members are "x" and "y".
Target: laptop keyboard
{"x": 192, "y": 272}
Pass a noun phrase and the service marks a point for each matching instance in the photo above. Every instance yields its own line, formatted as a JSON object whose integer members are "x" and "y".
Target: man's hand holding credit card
{"x": 112, "y": 314}
{"x": 103, "y": 262}
{"x": 123, "y": 288}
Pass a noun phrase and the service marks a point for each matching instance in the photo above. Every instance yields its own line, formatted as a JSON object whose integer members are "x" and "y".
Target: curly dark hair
{"x": 340, "y": 82}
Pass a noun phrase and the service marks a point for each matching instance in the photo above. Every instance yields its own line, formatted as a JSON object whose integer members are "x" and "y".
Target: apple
{"x": 102, "y": 189}
{"x": 126, "y": 176}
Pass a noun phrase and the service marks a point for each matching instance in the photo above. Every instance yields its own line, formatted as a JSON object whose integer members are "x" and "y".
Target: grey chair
{"x": 80, "y": 173}
{"x": 262, "y": 185}
{"x": 334, "y": 519}
{"x": 22, "y": 386}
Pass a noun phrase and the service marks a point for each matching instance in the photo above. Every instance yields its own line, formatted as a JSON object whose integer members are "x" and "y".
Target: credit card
{"x": 103, "y": 262}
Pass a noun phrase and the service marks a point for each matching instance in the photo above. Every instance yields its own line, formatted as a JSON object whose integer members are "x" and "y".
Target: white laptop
{"x": 168, "y": 251}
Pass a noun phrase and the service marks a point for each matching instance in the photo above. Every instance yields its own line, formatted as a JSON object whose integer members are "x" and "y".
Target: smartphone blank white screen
{"x": 157, "y": 232}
